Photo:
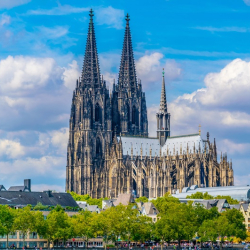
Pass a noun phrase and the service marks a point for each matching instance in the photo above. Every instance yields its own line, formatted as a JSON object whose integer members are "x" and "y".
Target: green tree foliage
{"x": 88, "y": 199}
{"x": 57, "y": 225}
{"x": 25, "y": 221}
{"x": 40, "y": 206}
{"x": 200, "y": 195}
{"x": 141, "y": 199}
{"x": 165, "y": 202}
{"x": 7, "y": 218}
{"x": 84, "y": 225}
{"x": 229, "y": 199}
{"x": 206, "y": 196}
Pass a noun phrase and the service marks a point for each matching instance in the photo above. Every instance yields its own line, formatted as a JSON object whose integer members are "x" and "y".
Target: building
{"x": 46, "y": 198}
{"x": 149, "y": 209}
{"x": 109, "y": 151}
{"x": 241, "y": 193}
{"x": 245, "y": 210}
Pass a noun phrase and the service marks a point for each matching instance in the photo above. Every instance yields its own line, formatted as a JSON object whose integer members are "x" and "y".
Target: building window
{"x": 13, "y": 236}
{"x": 33, "y": 235}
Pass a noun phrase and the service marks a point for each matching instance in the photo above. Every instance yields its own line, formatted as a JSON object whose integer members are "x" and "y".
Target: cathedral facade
{"x": 109, "y": 151}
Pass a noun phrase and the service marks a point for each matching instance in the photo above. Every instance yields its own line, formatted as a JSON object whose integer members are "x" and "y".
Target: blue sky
{"x": 203, "y": 46}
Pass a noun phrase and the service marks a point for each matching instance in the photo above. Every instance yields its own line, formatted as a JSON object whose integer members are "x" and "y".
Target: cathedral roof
{"x": 138, "y": 143}
{"x": 236, "y": 192}
{"x": 178, "y": 144}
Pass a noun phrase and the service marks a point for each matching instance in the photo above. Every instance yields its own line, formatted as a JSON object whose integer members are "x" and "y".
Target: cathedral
{"x": 109, "y": 151}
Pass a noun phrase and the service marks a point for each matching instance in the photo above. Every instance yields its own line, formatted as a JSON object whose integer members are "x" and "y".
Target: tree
{"x": 118, "y": 219}
{"x": 200, "y": 195}
{"x": 141, "y": 199}
{"x": 208, "y": 231}
{"x": 229, "y": 199}
{"x": 88, "y": 199}
{"x": 57, "y": 225}
{"x": 163, "y": 230}
{"x": 24, "y": 221}
{"x": 83, "y": 225}
{"x": 180, "y": 221}
{"x": 235, "y": 219}
{"x": 165, "y": 202}
{"x": 203, "y": 214}
{"x": 7, "y": 218}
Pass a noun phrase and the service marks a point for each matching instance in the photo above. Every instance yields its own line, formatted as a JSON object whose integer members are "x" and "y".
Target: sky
{"x": 202, "y": 45}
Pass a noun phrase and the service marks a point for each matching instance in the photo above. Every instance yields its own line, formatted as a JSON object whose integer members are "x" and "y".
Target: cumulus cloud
{"x": 12, "y": 149}
{"x": 25, "y": 73}
{"x": 149, "y": 69}
{"x": 111, "y": 17}
{"x": 223, "y": 101}
{"x": 59, "y": 139}
{"x": 11, "y": 4}
{"x": 70, "y": 75}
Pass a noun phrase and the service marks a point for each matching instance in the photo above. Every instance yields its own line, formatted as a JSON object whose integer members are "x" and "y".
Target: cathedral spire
{"x": 127, "y": 74}
{"x": 90, "y": 70}
{"x": 163, "y": 102}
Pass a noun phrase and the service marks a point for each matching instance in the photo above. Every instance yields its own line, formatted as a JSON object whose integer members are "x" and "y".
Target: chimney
{"x": 27, "y": 183}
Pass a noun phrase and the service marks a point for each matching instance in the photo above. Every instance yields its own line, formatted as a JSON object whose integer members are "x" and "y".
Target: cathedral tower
{"x": 90, "y": 122}
{"x": 163, "y": 117}
{"x": 129, "y": 102}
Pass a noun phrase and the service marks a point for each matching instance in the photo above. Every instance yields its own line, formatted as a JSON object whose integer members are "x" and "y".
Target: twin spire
{"x": 91, "y": 70}
{"x": 127, "y": 74}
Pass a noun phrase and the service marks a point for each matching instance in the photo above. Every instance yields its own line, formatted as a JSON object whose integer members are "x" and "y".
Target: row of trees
{"x": 176, "y": 222}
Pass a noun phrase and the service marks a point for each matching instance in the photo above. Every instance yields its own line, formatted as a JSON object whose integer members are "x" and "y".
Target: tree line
{"x": 176, "y": 222}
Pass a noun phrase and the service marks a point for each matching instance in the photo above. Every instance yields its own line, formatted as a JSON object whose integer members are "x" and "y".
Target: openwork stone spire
{"x": 90, "y": 70}
{"x": 127, "y": 74}
{"x": 163, "y": 102}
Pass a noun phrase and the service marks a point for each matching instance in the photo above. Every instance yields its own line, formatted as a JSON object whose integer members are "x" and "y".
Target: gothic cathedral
{"x": 109, "y": 151}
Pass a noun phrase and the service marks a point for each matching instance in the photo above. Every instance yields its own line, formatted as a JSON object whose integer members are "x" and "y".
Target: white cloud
{"x": 12, "y": 149}
{"x": 8, "y": 4}
{"x": 58, "y": 11}
{"x": 149, "y": 69}
{"x": 218, "y": 103}
{"x": 247, "y": 2}
{"x": 111, "y": 17}
{"x": 54, "y": 32}
{"x": 59, "y": 139}
{"x": 24, "y": 73}
{"x": 224, "y": 29}
{"x": 70, "y": 75}
{"x": 5, "y": 19}
{"x": 231, "y": 147}
{"x": 44, "y": 167}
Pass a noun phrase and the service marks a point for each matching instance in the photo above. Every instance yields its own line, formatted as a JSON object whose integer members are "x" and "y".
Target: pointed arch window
{"x": 134, "y": 116}
{"x": 98, "y": 147}
{"x": 98, "y": 113}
